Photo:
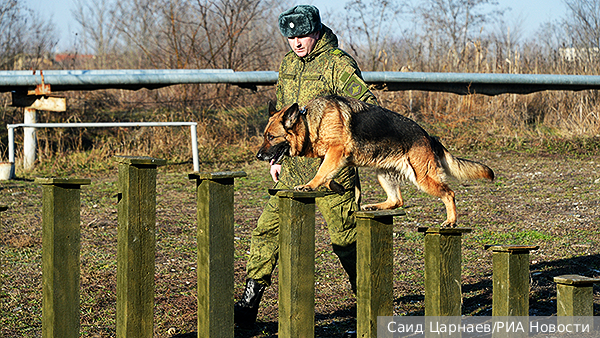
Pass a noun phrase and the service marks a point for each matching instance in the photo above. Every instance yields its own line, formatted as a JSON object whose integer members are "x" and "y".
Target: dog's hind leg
{"x": 432, "y": 183}
{"x": 390, "y": 182}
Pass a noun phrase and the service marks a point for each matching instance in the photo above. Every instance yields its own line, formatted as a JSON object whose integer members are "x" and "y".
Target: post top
{"x": 575, "y": 280}
{"x": 216, "y": 175}
{"x": 511, "y": 248}
{"x": 140, "y": 160}
{"x": 296, "y": 194}
{"x": 445, "y": 231}
{"x": 63, "y": 181}
{"x": 380, "y": 213}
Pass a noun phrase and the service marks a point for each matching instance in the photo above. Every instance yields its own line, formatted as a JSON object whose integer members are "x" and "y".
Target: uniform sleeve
{"x": 348, "y": 80}
{"x": 279, "y": 89}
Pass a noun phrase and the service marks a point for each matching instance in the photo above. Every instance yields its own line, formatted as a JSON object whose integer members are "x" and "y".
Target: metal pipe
{"x": 192, "y": 125}
{"x": 65, "y": 80}
{"x": 193, "y": 131}
{"x": 102, "y": 124}
{"x": 460, "y": 83}
{"x": 480, "y": 83}
{"x": 11, "y": 145}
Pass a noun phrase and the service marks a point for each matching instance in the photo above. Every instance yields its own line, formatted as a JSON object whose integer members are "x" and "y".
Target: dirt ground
{"x": 537, "y": 199}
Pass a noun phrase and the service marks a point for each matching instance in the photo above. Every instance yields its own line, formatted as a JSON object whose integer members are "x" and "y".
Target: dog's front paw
{"x": 448, "y": 224}
{"x": 370, "y": 207}
{"x": 304, "y": 188}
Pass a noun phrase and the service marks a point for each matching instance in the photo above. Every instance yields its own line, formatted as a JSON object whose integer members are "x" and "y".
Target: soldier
{"x": 314, "y": 67}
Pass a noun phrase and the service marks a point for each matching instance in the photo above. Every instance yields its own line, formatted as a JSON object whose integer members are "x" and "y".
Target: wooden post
{"x": 214, "y": 197}
{"x": 443, "y": 271}
{"x": 2, "y": 264}
{"x": 574, "y": 295}
{"x": 510, "y": 279}
{"x": 61, "y": 243}
{"x": 136, "y": 245}
{"x": 374, "y": 253}
{"x": 297, "y": 263}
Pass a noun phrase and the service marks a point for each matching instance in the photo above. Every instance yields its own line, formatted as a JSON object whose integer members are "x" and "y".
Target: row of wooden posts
{"x": 214, "y": 191}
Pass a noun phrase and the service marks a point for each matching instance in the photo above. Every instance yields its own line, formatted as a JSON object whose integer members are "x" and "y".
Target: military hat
{"x": 299, "y": 20}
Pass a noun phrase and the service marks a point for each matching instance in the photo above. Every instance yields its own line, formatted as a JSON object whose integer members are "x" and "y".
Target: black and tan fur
{"x": 344, "y": 131}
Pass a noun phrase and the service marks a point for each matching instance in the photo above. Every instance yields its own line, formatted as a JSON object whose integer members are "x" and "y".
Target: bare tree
{"x": 235, "y": 34}
{"x": 582, "y": 24}
{"x": 506, "y": 40}
{"x": 448, "y": 25}
{"x": 99, "y": 34}
{"x": 371, "y": 26}
{"x": 139, "y": 21}
{"x": 24, "y": 37}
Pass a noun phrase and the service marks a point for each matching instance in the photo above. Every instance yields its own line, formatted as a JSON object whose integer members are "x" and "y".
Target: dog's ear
{"x": 290, "y": 116}
{"x": 272, "y": 109}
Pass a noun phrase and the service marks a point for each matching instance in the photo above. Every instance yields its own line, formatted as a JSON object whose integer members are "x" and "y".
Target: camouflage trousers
{"x": 338, "y": 211}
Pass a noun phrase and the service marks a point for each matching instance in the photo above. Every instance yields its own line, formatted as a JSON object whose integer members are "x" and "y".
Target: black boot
{"x": 347, "y": 256}
{"x": 246, "y": 310}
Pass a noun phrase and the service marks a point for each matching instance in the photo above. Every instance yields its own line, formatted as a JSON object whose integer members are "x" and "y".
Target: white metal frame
{"x": 192, "y": 125}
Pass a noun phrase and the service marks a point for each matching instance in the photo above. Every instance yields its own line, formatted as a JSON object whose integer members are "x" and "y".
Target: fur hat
{"x": 299, "y": 20}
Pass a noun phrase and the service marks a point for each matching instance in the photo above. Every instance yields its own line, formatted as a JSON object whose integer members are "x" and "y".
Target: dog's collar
{"x": 303, "y": 110}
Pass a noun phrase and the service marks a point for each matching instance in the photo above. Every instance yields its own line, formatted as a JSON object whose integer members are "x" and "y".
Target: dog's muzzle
{"x": 273, "y": 154}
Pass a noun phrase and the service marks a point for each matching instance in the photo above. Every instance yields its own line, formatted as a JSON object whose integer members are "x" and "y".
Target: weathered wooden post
{"x": 2, "y": 209}
{"x": 574, "y": 295}
{"x": 136, "y": 245}
{"x": 510, "y": 279}
{"x": 374, "y": 266}
{"x": 443, "y": 271}
{"x": 61, "y": 243}
{"x": 214, "y": 197}
{"x": 297, "y": 263}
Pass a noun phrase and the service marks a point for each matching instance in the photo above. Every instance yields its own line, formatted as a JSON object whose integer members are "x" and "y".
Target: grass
{"x": 538, "y": 199}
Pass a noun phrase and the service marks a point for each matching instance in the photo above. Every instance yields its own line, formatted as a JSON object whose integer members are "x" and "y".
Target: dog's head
{"x": 279, "y": 136}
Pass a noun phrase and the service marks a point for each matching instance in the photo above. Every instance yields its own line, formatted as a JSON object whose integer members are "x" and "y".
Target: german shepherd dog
{"x": 344, "y": 131}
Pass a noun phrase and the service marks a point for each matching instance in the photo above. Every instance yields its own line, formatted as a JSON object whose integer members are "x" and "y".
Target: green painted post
{"x": 2, "y": 208}
{"x": 297, "y": 263}
{"x": 61, "y": 244}
{"x": 574, "y": 295}
{"x": 510, "y": 279}
{"x": 374, "y": 266}
{"x": 214, "y": 197}
{"x": 443, "y": 271}
{"x": 136, "y": 245}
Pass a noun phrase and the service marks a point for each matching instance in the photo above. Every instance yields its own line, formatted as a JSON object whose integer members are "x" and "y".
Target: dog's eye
{"x": 270, "y": 137}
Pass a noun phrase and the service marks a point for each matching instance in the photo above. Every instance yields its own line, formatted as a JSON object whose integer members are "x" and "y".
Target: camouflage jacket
{"x": 326, "y": 70}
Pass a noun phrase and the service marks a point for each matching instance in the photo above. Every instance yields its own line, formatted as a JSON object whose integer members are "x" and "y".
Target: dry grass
{"x": 554, "y": 121}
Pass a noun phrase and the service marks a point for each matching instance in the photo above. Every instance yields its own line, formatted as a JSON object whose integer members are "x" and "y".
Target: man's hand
{"x": 275, "y": 170}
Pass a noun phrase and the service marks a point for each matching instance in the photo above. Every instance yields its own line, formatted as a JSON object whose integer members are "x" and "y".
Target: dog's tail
{"x": 461, "y": 168}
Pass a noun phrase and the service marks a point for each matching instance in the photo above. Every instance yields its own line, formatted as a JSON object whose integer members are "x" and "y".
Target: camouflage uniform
{"x": 326, "y": 70}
